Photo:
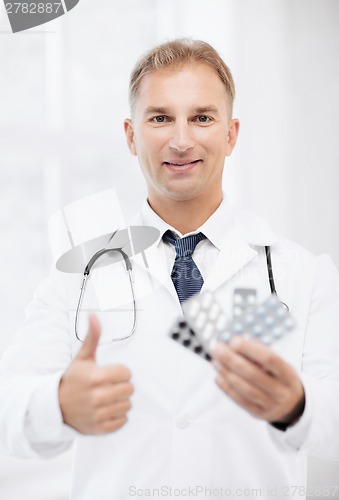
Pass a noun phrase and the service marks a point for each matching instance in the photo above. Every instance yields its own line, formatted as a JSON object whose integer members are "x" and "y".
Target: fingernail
{"x": 219, "y": 349}
{"x": 236, "y": 342}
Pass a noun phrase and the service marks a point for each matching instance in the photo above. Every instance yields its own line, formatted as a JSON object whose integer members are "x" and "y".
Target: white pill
{"x": 214, "y": 311}
{"x": 251, "y": 299}
{"x": 221, "y": 323}
{"x": 237, "y": 328}
{"x": 249, "y": 319}
{"x": 269, "y": 321}
{"x": 237, "y": 298}
{"x": 207, "y": 331}
{"x": 237, "y": 311}
{"x": 201, "y": 319}
{"x": 281, "y": 312}
{"x": 225, "y": 337}
{"x": 257, "y": 330}
{"x": 260, "y": 311}
{"x": 277, "y": 332}
{"x": 193, "y": 309}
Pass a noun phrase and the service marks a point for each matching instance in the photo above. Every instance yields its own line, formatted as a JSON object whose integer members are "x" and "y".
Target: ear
{"x": 233, "y": 131}
{"x": 129, "y": 131}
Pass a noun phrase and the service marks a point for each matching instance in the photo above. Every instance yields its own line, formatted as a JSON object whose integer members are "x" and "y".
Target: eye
{"x": 203, "y": 119}
{"x": 159, "y": 119}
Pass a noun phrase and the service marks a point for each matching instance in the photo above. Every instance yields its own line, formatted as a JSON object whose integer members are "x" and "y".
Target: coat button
{"x": 183, "y": 422}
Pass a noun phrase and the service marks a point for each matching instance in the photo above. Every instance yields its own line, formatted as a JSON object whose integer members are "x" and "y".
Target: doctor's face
{"x": 181, "y": 133}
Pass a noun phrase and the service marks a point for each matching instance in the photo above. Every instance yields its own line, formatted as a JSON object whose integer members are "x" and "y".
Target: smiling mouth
{"x": 181, "y": 164}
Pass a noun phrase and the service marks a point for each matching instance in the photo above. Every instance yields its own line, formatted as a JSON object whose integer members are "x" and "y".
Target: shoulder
{"x": 258, "y": 233}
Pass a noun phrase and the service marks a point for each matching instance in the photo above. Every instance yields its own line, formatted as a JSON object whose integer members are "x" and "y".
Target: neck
{"x": 185, "y": 215}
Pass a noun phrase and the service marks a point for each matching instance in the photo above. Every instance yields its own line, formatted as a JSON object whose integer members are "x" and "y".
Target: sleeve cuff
{"x": 44, "y": 426}
{"x": 294, "y": 436}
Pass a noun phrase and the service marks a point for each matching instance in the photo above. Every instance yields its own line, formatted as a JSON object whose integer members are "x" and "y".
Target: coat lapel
{"x": 153, "y": 262}
{"x": 234, "y": 254}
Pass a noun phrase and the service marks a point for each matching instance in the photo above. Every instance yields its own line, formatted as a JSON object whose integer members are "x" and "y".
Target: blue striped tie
{"x": 185, "y": 275}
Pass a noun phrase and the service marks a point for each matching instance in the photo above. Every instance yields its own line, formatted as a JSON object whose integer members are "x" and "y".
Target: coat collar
{"x": 249, "y": 226}
{"x": 235, "y": 232}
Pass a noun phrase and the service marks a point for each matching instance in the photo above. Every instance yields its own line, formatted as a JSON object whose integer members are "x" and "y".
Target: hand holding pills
{"x": 258, "y": 380}
{"x": 248, "y": 370}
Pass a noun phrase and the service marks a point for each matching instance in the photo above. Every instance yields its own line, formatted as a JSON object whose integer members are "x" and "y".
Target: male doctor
{"x": 149, "y": 417}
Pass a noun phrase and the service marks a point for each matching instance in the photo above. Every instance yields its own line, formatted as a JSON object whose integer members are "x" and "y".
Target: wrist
{"x": 291, "y": 418}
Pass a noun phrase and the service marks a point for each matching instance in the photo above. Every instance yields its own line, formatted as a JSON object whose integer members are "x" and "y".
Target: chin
{"x": 182, "y": 193}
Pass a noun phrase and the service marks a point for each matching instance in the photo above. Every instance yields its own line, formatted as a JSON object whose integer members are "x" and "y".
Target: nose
{"x": 181, "y": 138}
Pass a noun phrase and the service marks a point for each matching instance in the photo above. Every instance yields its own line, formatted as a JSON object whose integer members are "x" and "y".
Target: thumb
{"x": 91, "y": 341}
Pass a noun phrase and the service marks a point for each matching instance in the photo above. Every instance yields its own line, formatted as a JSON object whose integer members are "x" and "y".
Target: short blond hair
{"x": 180, "y": 53}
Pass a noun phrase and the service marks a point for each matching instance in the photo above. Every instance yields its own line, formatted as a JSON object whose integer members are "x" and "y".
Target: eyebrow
{"x": 156, "y": 109}
{"x": 162, "y": 110}
{"x": 206, "y": 109}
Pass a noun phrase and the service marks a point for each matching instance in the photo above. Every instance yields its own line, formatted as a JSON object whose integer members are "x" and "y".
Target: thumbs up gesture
{"x": 94, "y": 399}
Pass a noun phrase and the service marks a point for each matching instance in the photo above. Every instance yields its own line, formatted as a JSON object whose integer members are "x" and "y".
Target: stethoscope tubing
{"x": 270, "y": 274}
{"x": 87, "y": 273}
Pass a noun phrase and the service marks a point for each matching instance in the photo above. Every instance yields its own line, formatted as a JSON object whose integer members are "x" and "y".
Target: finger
{"x": 122, "y": 390}
{"x": 228, "y": 358}
{"x": 109, "y": 394}
{"x": 113, "y": 374}
{"x": 239, "y": 400}
{"x": 89, "y": 347}
{"x": 220, "y": 366}
{"x": 113, "y": 424}
{"x": 263, "y": 355}
{"x": 247, "y": 391}
{"x": 114, "y": 410}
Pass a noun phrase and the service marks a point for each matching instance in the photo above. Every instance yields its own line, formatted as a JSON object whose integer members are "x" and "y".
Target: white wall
{"x": 63, "y": 96}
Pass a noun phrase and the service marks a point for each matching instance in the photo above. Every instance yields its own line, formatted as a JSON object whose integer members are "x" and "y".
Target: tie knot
{"x": 183, "y": 246}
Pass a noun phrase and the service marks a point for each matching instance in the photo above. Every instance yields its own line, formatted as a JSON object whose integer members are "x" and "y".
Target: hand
{"x": 94, "y": 399}
{"x": 258, "y": 380}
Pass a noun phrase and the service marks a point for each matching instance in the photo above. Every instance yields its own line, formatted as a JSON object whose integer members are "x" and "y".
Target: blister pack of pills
{"x": 205, "y": 321}
{"x": 183, "y": 333}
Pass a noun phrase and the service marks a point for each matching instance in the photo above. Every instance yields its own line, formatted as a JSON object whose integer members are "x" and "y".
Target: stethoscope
{"x": 87, "y": 273}
{"x": 270, "y": 275}
{"x": 128, "y": 266}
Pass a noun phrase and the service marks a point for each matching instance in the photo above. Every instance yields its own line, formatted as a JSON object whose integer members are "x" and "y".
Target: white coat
{"x": 184, "y": 436}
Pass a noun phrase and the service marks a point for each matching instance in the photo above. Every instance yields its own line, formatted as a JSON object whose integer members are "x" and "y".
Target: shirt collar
{"x": 214, "y": 228}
